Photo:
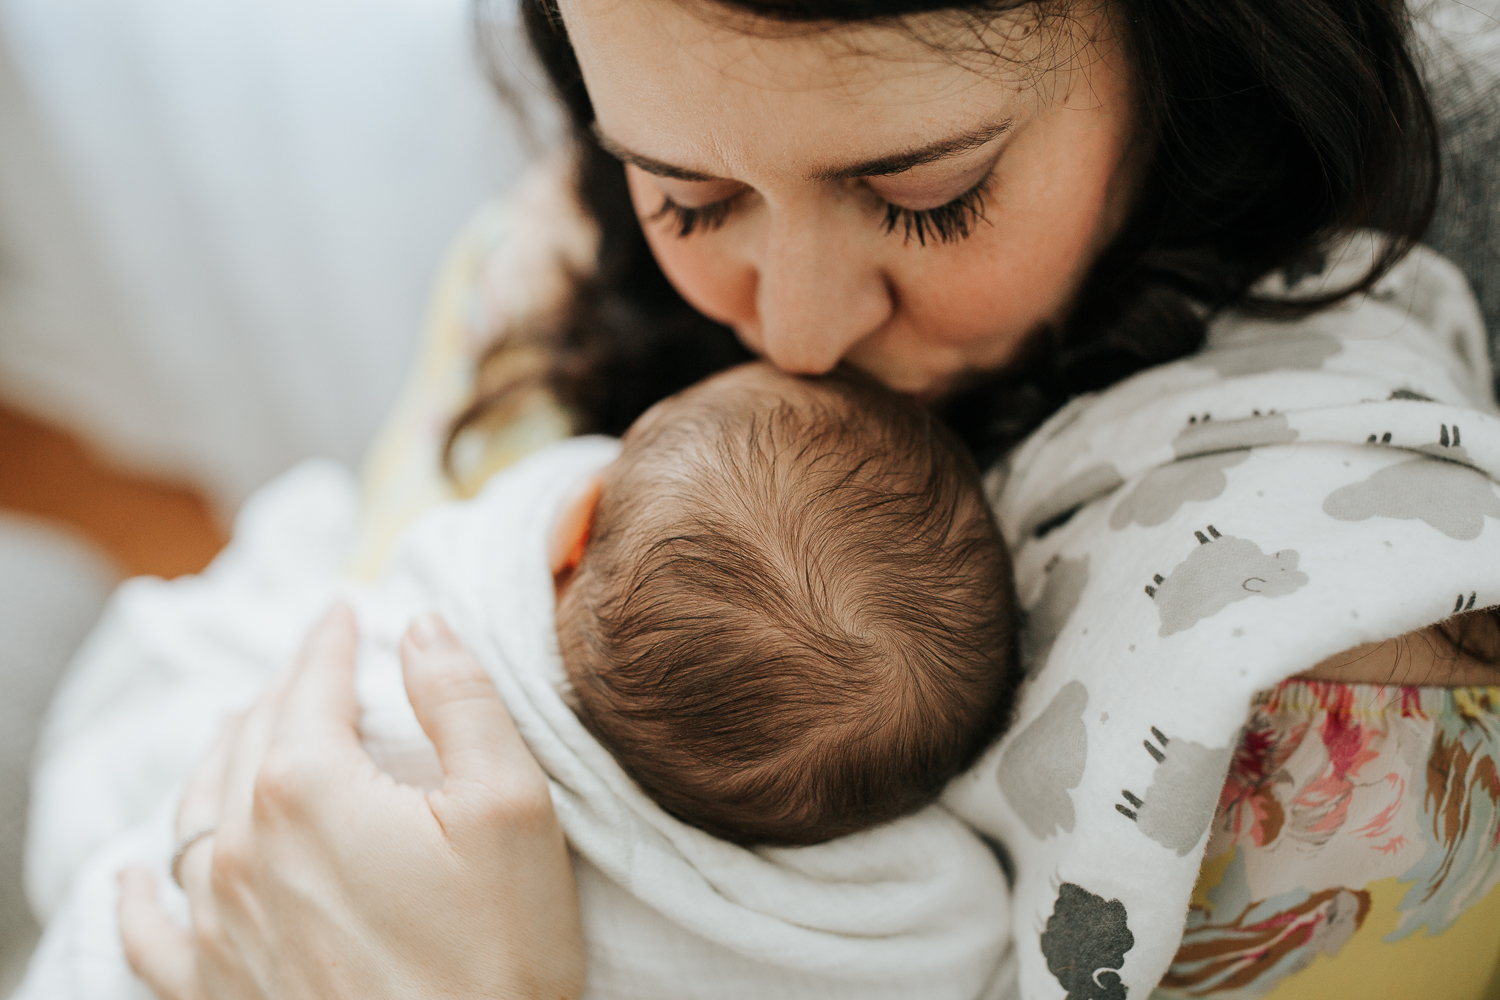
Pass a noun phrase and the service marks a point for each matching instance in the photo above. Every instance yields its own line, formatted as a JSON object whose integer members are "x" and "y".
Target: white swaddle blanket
{"x": 913, "y": 908}
{"x": 1198, "y": 533}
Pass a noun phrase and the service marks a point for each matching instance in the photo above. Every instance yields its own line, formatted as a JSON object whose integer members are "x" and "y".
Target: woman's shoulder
{"x": 1416, "y": 334}
{"x": 1424, "y": 296}
{"x": 1356, "y": 444}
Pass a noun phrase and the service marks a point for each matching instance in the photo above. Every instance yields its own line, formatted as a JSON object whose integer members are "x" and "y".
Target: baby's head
{"x": 786, "y": 609}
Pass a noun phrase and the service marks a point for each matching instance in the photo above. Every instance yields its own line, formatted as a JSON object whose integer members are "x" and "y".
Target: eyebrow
{"x": 880, "y": 166}
{"x": 646, "y": 163}
{"x": 884, "y": 166}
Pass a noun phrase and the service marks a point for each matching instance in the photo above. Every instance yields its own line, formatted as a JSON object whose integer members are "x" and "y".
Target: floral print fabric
{"x": 1334, "y": 788}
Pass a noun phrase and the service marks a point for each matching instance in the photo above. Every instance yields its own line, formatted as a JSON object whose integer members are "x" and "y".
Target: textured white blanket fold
{"x": 1196, "y": 534}
{"x": 915, "y": 908}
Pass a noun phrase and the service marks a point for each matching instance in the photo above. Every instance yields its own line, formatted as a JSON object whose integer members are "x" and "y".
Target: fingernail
{"x": 428, "y": 631}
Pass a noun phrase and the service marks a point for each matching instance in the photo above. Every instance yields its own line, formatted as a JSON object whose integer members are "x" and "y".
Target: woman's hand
{"x": 327, "y": 879}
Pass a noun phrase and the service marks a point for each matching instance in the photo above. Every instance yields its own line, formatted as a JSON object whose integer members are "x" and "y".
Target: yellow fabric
{"x": 403, "y": 474}
{"x": 1458, "y": 964}
{"x": 1462, "y": 963}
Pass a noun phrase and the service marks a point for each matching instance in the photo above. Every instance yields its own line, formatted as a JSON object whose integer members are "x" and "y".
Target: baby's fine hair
{"x": 795, "y": 616}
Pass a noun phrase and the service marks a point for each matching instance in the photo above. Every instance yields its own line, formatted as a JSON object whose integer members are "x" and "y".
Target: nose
{"x": 818, "y": 294}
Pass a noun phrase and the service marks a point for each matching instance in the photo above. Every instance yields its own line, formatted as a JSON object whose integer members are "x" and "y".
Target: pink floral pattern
{"x": 1333, "y": 787}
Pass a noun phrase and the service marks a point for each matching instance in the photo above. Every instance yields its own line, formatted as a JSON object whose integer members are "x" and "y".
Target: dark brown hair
{"x": 1273, "y": 126}
{"x": 795, "y": 616}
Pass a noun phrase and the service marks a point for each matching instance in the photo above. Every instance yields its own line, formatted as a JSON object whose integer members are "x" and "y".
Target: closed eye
{"x": 946, "y": 223}
{"x": 700, "y": 217}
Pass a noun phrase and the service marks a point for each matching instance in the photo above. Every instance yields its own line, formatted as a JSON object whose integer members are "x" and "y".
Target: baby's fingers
{"x": 157, "y": 949}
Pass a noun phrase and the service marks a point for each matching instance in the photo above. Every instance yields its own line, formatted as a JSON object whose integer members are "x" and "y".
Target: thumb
{"x": 461, "y": 712}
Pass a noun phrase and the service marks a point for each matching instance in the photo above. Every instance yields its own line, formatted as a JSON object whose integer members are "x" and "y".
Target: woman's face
{"x": 897, "y": 198}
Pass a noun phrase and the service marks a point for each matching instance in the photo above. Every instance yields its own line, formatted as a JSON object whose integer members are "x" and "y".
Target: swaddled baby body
{"x": 777, "y": 612}
{"x": 785, "y": 608}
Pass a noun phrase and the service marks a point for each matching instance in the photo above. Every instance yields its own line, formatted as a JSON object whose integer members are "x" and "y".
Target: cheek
{"x": 705, "y": 268}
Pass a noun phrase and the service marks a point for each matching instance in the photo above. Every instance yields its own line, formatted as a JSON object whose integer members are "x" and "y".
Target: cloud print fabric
{"x": 1195, "y": 535}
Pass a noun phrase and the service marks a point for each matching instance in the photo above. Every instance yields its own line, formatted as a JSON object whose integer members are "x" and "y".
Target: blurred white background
{"x": 218, "y": 219}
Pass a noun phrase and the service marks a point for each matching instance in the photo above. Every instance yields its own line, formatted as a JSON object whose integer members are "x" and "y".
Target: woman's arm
{"x": 1463, "y": 651}
{"x": 324, "y": 878}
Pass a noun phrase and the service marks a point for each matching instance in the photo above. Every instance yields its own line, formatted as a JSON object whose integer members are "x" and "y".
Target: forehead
{"x": 691, "y": 84}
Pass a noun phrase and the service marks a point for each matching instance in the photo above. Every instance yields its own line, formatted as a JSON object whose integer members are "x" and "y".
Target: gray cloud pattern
{"x": 1221, "y": 570}
{"x": 1045, "y": 620}
{"x": 1452, "y": 498}
{"x": 1045, "y": 760}
{"x": 1207, "y": 436}
{"x": 1163, "y": 490}
{"x": 1257, "y": 355}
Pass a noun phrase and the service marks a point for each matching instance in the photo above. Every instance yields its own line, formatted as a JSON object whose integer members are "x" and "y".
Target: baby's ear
{"x": 571, "y": 532}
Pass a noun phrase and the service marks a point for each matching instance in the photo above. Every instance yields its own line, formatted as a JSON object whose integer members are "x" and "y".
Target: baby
{"x": 779, "y": 613}
{"x": 786, "y": 609}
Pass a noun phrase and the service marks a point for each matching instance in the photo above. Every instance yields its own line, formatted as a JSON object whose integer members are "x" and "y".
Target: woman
{"x": 993, "y": 206}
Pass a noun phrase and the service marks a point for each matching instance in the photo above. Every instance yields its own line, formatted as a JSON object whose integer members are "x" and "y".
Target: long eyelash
{"x": 689, "y": 220}
{"x": 945, "y": 223}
